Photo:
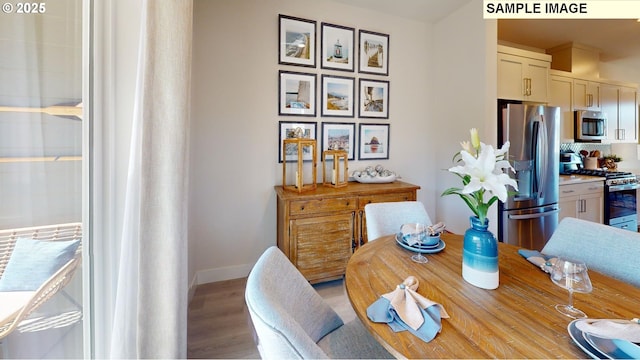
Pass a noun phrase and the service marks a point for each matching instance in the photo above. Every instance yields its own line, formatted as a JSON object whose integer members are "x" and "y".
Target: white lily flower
{"x": 466, "y": 146}
{"x": 482, "y": 172}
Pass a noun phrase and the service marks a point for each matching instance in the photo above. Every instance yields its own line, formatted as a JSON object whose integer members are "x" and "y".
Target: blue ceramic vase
{"x": 480, "y": 255}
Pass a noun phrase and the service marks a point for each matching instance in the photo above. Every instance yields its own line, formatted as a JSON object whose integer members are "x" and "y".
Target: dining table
{"x": 518, "y": 319}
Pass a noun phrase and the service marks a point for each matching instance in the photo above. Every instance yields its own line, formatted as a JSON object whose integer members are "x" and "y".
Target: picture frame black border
{"x": 312, "y": 125}
{"x": 324, "y": 100}
{"x": 361, "y": 99}
{"x": 312, "y": 111}
{"x": 352, "y": 49}
{"x": 352, "y": 142}
{"x": 368, "y": 70}
{"x": 282, "y": 58}
{"x": 361, "y": 128}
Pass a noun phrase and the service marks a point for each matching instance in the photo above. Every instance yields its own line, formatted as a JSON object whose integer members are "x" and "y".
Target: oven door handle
{"x": 622, "y": 187}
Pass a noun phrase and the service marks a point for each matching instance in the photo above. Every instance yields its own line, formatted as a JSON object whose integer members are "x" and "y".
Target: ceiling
{"x": 617, "y": 39}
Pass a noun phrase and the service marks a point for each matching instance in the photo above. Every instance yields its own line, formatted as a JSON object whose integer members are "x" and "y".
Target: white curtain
{"x": 150, "y": 316}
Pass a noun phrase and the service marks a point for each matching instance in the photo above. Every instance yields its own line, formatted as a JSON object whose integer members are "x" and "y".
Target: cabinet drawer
{"x": 404, "y": 196}
{"x": 302, "y": 207}
{"x": 581, "y": 189}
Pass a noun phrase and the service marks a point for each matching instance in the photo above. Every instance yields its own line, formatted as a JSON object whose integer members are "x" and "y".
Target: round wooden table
{"x": 516, "y": 320}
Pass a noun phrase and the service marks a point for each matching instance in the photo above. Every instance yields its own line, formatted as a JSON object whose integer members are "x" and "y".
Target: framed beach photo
{"x": 338, "y": 93}
{"x": 374, "y": 141}
{"x": 337, "y": 47}
{"x": 297, "y": 41}
{"x": 339, "y": 136}
{"x": 373, "y": 53}
{"x": 287, "y": 130}
{"x": 297, "y": 94}
{"x": 374, "y": 99}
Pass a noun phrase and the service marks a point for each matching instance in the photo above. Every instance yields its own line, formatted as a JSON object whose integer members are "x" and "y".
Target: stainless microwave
{"x": 589, "y": 126}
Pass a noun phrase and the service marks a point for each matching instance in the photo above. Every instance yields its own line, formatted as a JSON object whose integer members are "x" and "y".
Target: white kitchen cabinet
{"x": 586, "y": 95}
{"x": 523, "y": 75}
{"x": 561, "y": 95}
{"x": 583, "y": 201}
{"x": 620, "y": 105}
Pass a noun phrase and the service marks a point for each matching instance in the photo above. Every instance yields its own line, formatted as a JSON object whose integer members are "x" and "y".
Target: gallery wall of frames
{"x": 344, "y": 79}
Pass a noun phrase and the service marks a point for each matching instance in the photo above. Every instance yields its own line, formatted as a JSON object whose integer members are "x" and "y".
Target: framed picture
{"x": 338, "y": 95}
{"x": 374, "y": 141}
{"x": 337, "y": 47}
{"x": 297, "y": 94}
{"x": 340, "y": 136}
{"x": 374, "y": 99}
{"x": 374, "y": 53}
{"x": 297, "y": 41}
{"x": 287, "y": 130}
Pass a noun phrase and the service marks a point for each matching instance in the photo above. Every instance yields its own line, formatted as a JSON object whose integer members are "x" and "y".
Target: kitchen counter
{"x": 577, "y": 179}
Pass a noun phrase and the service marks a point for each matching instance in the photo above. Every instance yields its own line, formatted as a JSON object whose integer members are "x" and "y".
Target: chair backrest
{"x": 57, "y": 281}
{"x": 287, "y": 313}
{"x": 385, "y": 218}
{"x": 58, "y": 232}
{"x": 606, "y": 249}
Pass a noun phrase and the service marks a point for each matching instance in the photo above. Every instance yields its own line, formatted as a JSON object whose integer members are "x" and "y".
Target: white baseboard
{"x": 221, "y": 274}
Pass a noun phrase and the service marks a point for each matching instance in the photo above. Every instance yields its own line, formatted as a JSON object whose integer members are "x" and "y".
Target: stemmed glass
{"x": 571, "y": 275}
{"x": 419, "y": 235}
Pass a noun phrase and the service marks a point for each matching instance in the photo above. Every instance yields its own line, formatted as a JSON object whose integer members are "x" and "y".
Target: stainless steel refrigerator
{"x": 528, "y": 218}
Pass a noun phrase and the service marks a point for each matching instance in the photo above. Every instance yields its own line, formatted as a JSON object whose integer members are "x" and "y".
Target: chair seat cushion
{"x": 11, "y": 302}
{"x": 352, "y": 341}
{"x": 32, "y": 262}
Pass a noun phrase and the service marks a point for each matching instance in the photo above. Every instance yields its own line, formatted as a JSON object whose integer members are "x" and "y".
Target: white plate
{"x": 422, "y": 250}
{"x": 613, "y": 348}
{"x": 578, "y": 338}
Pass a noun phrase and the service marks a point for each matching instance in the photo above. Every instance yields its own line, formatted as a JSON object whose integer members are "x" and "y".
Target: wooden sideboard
{"x": 319, "y": 230}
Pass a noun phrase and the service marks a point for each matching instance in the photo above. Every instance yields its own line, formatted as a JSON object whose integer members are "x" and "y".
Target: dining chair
{"x": 385, "y": 218}
{"x": 292, "y": 321}
{"x": 606, "y": 249}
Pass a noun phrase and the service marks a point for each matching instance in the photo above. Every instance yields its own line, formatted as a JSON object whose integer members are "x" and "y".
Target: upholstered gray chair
{"x": 608, "y": 250}
{"x": 385, "y": 218}
{"x": 292, "y": 320}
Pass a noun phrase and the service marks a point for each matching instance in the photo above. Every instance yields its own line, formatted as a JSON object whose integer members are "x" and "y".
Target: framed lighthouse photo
{"x": 337, "y": 47}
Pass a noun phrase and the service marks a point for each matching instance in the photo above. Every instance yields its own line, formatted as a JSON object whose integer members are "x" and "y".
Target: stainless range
{"x": 620, "y": 197}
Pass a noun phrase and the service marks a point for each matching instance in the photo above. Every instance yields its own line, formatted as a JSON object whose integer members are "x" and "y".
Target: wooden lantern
{"x": 298, "y": 163}
{"x": 337, "y": 176}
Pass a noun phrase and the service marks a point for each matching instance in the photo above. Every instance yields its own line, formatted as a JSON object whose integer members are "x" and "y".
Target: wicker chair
{"x": 23, "y": 303}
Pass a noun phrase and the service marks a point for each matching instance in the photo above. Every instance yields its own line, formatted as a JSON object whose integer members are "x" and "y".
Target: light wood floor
{"x": 218, "y": 321}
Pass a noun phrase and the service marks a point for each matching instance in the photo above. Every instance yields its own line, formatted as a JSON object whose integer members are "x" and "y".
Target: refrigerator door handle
{"x": 539, "y": 155}
{"x": 533, "y": 216}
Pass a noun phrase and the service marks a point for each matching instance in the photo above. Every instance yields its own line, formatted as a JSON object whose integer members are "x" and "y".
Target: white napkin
{"x": 613, "y": 329}
{"x": 407, "y": 303}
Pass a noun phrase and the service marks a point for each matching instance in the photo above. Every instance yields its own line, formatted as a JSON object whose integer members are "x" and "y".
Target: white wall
{"x": 235, "y": 119}
{"x": 464, "y": 74}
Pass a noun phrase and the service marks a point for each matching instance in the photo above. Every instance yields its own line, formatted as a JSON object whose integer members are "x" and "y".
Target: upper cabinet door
{"x": 586, "y": 95}
{"x": 523, "y": 75}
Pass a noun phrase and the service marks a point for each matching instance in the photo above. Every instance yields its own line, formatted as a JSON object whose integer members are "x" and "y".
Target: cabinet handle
{"x": 353, "y": 231}
{"x": 567, "y": 191}
{"x": 590, "y": 101}
{"x": 361, "y": 240}
{"x": 527, "y": 86}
